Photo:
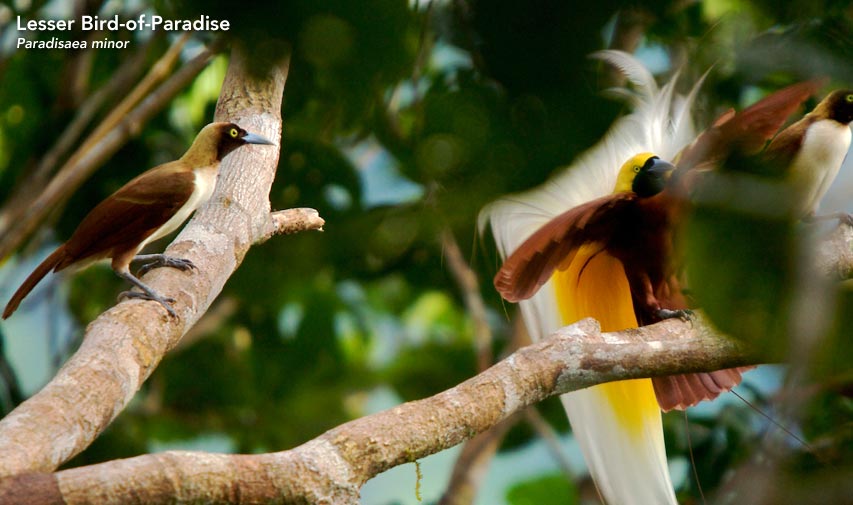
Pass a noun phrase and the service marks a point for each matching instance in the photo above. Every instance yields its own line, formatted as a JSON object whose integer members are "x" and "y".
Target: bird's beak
{"x": 661, "y": 168}
{"x": 252, "y": 138}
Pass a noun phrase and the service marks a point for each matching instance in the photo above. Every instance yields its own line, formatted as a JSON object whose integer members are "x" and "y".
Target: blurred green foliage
{"x": 748, "y": 289}
{"x": 546, "y": 490}
{"x": 402, "y": 120}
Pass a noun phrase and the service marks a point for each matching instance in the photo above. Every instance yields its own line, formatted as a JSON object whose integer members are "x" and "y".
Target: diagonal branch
{"x": 120, "y": 80}
{"x": 124, "y": 345}
{"x": 159, "y": 71}
{"x": 332, "y": 468}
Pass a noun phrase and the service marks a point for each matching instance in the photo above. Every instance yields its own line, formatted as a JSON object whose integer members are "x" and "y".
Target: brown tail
{"x": 46, "y": 266}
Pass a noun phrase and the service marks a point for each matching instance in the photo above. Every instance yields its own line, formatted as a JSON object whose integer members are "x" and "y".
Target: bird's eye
{"x": 636, "y": 169}
{"x": 849, "y": 98}
{"x": 233, "y": 132}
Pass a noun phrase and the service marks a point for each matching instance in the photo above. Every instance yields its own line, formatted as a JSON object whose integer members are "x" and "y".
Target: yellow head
{"x": 644, "y": 174}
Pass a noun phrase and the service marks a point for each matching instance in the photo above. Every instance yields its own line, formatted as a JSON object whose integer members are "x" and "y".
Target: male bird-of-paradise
{"x": 147, "y": 208}
{"x": 618, "y": 426}
{"x": 609, "y": 257}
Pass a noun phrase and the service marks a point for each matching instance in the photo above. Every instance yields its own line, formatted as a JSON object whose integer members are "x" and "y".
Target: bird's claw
{"x": 683, "y": 314}
{"x": 165, "y": 301}
{"x": 167, "y": 261}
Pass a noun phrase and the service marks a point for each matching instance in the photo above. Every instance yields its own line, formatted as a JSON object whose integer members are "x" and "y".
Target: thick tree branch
{"x": 123, "y": 346}
{"x": 332, "y": 468}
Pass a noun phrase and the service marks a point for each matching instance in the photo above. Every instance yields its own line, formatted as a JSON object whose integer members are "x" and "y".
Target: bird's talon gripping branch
{"x": 161, "y": 260}
{"x": 683, "y": 314}
{"x": 842, "y": 217}
{"x": 165, "y": 301}
{"x": 138, "y": 295}
{"x": 146, "y": 293}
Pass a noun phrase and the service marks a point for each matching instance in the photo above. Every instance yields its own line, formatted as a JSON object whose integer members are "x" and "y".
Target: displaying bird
{"x": 617, "y": 425}
{"x": 147, "y": 208}
{"x": 811, "y": 151}
{"x": 610, "y": 256}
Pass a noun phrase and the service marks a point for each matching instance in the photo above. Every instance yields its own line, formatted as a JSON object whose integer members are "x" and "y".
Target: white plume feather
{"x": 631, "y": 68}
{"x": 660, "y": 123}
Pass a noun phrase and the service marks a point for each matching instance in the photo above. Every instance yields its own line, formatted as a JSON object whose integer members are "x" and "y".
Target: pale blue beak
{"x": 251, "y": 138}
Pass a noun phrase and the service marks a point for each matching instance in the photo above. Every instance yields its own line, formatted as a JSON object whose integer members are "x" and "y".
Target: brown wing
{"x": 531, "y": 265}
{"x": 131, "y": 214}
{"x": 748, "y": 130}
{"x": 752, "y": 128}
{"x": 686, "y": 390}
{"x": 780, "y": 153}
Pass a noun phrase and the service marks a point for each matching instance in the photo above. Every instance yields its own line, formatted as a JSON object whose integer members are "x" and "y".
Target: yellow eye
{"x": 636, "y": 169}
{"x": 849, "y": 98}
{"x": 233, "y": 132}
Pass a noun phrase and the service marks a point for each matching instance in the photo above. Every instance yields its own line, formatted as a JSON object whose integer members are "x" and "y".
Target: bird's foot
{"x": 842, "y": 217}
{"x": 161, "y": 260}
{"x": 683, "y": 314}
{"x": 845, "y": 218}
{"x": 165, "y": 301}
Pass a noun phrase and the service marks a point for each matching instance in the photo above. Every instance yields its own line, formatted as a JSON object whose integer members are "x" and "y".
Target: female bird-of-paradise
{"x": 147, "y": 208}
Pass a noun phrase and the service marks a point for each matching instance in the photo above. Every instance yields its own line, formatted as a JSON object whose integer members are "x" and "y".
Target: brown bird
{"x": 147, "y": 208}
{"x": 810, "y": 152}
{"x": 748, "y": 131}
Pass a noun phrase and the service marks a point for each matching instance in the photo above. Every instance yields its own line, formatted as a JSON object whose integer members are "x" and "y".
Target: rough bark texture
{"x": 286, "y": 222}
{"x": 834, "y": 256}
{"x": 123, "y": 346}
{"x": 332, "y": 468}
